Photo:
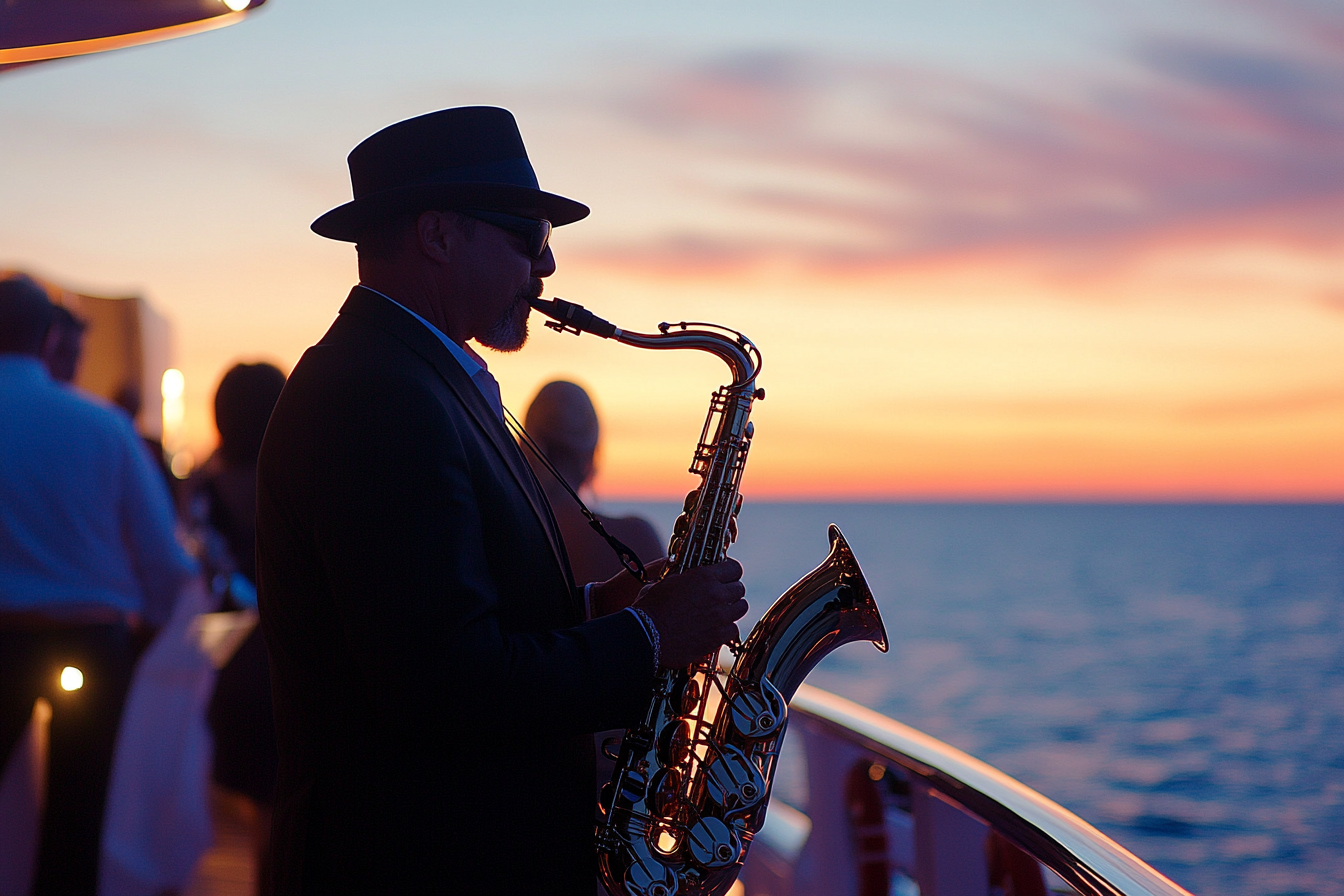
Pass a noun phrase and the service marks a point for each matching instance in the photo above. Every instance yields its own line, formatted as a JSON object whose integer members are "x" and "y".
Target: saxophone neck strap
{"x": 629, "y": 561}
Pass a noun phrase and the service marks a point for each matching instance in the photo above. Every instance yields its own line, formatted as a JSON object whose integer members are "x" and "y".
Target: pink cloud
{"x": 923, "y": 162}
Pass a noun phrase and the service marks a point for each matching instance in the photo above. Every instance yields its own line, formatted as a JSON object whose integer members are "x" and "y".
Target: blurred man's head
{"x": 64, "y": 345}
{"x": 26, "y": 315}
{"x": 243, "y": 404}
{"x": 563, "y": 422}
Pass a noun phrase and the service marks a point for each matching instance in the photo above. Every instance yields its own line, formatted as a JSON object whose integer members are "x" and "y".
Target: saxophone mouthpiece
{"x": 572, "y": 318}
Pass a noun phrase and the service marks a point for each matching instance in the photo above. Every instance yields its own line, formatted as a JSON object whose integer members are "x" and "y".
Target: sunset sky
{"x": 1038, "y": 249}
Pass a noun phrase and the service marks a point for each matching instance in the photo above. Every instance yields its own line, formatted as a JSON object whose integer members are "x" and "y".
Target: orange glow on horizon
{"x": 1189, "y": 369}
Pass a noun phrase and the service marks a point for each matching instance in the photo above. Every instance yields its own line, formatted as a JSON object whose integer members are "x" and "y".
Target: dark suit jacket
{"x": 435, "y": 684}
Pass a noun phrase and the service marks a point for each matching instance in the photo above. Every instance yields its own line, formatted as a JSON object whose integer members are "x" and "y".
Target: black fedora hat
{"x": 468, "y": 157}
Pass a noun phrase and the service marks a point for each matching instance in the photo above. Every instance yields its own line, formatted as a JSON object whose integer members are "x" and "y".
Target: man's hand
{"x": 695, "y": 612}
{"x": 622, "y": 589}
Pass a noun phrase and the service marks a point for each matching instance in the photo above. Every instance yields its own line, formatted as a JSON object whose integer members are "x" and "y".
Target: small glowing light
{"x": 173, "y": 384}
{"x": 237, "y": 5}
{"x": 182, "y": 464}
{"x": 876, "y": 771}
{"x": 173, "y": 412}
{"x": 71, "y": 679}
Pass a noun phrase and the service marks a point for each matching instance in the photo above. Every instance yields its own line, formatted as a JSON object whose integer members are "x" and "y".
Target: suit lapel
{"x": 367, "y": 305}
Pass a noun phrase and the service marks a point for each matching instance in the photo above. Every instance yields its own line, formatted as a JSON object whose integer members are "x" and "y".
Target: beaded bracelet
{"x": 652, "y": 631}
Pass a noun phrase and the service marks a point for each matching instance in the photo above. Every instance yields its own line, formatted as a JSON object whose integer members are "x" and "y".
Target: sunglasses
{"x": 536, "y": 231}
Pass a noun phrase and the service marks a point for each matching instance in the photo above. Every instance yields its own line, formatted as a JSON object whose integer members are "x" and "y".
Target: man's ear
{"x": 436, "y": 235}
{"x": 439, "y": 232}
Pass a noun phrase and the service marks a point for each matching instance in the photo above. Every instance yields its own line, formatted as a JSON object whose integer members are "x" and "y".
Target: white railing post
{"x": 826, "y": 865}
{"x": 949, "y": 846}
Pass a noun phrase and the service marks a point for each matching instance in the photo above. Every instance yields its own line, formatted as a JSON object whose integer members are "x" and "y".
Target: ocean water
{"x": 1172, "y": 673}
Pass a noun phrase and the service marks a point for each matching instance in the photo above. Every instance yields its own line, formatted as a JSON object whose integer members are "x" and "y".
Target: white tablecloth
{"x": 157, "y": 823}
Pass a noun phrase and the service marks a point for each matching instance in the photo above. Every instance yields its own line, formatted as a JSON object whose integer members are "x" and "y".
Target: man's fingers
{"x": 727, "y": 571}
{"x": 734, "y": 590}
{"x": 724, "y": 600}
{"x": 696, "y": 612}
{"x": 722, "y": 573}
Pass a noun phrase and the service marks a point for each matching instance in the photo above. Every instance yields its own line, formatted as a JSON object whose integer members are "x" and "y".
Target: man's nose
{"x": 545, "y": 265}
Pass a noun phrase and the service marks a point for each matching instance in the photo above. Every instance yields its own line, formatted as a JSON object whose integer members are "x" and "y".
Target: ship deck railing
{"x": 887, "y": 809}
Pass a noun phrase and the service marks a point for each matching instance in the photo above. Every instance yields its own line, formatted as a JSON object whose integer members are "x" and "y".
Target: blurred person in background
{"x": 223, "y": 497}
{"x": 563, "y": 422}
{"x": 87, "y": 554}
{"x": 64, "y": 345}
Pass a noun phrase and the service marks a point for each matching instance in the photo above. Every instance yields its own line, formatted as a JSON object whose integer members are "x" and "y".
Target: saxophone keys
{"x": 686, "y": 695}
{"x": 665, "y": 793}
{"x": 674, "y": 743}
{"x": 712, "y": 843}
{"x": 759, "y": 713}
{"x": 649, "y": 877}
{"x": 734, "y": 781}
{"x": 633, "y": 786}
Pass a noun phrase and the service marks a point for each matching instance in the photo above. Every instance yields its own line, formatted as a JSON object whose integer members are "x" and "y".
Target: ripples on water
{"x": 1172, "y": 673}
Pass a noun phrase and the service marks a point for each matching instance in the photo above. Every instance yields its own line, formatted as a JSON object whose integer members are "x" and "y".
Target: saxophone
{"x": 693, "y": 778}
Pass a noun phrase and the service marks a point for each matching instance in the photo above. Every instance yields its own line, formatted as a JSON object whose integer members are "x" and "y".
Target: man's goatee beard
{"x": 504, "y": 335}
{"x": 509, "y": 332}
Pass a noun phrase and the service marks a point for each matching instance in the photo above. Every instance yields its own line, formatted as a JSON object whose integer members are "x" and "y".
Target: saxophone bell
{"x": 830, "y": 606}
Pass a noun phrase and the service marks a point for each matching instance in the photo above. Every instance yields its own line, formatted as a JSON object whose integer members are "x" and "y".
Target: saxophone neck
{"x": 730, "y": 346}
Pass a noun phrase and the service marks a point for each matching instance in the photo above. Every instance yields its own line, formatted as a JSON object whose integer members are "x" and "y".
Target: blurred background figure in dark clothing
{"x": 64, "y": 345}
{"x": 243, "y": 404}
{"x": 563, "y": 421}
{"x": 88, "y": 557}
{"x": 223, "y": 500}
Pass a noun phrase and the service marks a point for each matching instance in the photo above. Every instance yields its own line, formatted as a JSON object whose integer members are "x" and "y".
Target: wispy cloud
{"x": 901, "y": 161}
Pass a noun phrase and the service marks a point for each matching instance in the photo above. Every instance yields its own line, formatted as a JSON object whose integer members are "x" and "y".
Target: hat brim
{"x": 349, "y": 222}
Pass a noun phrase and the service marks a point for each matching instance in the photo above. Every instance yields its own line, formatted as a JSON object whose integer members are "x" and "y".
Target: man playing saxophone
{"x": 436, "y": 673}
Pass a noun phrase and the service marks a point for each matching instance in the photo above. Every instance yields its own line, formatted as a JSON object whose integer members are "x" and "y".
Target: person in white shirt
{"x": 87, "y": 555}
